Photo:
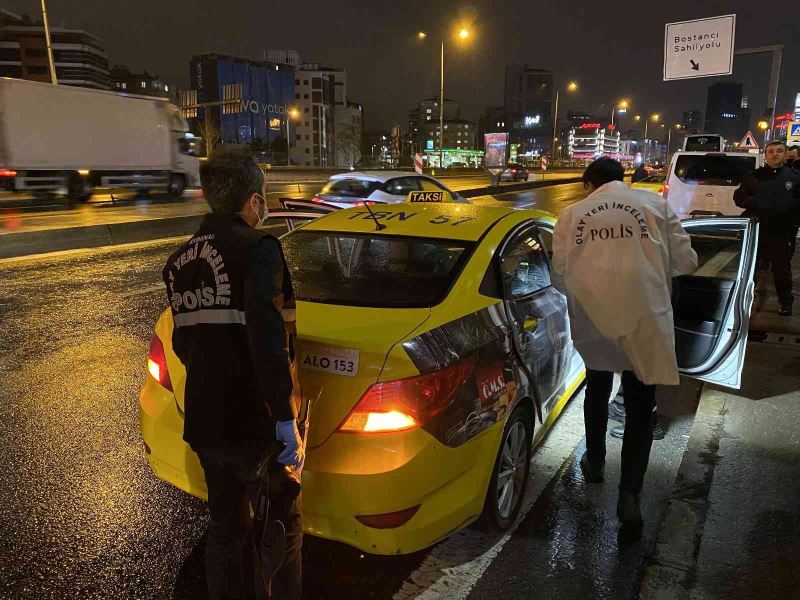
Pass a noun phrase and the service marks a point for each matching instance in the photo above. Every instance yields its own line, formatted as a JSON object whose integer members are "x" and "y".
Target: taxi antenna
{"x": 378, "y": 225}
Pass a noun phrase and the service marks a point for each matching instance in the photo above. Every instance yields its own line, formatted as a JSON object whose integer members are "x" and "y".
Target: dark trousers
{"x": 640, "y": 402}
{"x": 776, "y": 252}
{"x": 232, "y": 474}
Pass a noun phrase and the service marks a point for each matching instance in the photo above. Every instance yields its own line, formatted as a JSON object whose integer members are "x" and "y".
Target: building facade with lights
{"x": 528, "y": 107}
{"x": 592, "y": 140}
{"x": 261, "y": 94}
{"x": 79, "y": 57}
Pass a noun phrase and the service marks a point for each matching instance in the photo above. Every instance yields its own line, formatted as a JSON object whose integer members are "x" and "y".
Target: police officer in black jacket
{"x": 227, "y": 287}
{"x": 772, "y": 194}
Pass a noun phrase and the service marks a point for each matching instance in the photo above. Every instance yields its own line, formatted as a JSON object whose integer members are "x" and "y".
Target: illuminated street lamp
{"x": 654, "y": 118}
{"x": 463, "y": 35}
{"x": 291, "y": 113}
{"x": 763, "y": 125}
{"x": 572, "y": 86}
{"x": 621, "y": 106}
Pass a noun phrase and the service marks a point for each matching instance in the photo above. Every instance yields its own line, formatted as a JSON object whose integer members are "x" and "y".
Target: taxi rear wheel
{"x": 510, "y": 475}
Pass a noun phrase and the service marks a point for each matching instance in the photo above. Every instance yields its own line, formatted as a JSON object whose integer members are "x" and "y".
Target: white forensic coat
{"x": 614, "y": 256}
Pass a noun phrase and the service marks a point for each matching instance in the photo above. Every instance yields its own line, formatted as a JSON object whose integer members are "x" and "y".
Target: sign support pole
{"x": 774, "y": 76}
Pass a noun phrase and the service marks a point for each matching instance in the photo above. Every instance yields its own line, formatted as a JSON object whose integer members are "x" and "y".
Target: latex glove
{"x": 293, "y": 455}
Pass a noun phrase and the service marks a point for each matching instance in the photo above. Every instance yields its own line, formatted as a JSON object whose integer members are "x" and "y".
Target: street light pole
{"x": 441, "y": 111}
{"x": 555, "y": 127}
{"x": 288, "y": 153}
{"x": 53, "y": 78}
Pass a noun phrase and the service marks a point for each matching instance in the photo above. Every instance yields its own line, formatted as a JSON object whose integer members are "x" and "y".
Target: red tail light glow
{"x": 405, "y": 404}
{"x": 7, "y": 173}
{"x": 664, "y": 191}
{"x": 157, "y": 363}
{"x": 388, "y": 520}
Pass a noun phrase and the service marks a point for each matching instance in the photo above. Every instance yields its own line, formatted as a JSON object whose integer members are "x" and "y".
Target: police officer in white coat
{"x": 614, "y": 256}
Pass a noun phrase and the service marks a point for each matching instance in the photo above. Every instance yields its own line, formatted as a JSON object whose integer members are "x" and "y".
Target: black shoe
{"x": 592, "y": 473}
{"x": 658, "y": 431}
{"x": 785, "y": 310}
{"x": 628, "y": 511}
{"x": 616, "y": 411}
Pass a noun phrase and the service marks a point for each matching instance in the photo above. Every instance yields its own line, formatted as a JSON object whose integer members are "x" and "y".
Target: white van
{"x": 702, "y": 183}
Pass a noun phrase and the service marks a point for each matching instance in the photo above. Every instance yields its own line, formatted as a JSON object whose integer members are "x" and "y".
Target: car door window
{"x": 402, "y": 186}
{"x": 711, "y": 307}
{"x": 524, "y": 265}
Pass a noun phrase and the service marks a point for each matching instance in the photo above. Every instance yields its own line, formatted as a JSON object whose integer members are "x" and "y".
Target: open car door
{"x": 297, "y": 212}
{"x": 712, "y": 306}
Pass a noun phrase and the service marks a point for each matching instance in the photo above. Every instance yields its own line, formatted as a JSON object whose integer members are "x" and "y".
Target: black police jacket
{"x": 226, "y": 287}
{"x": 772, "y": 196}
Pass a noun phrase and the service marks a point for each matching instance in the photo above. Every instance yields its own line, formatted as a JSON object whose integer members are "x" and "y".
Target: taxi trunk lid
{"x": 341, "y": 351}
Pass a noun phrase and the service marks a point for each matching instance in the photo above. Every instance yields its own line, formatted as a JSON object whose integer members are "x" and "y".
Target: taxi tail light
{"x": 8, "y": 173}
{"x": 405, "y": 404}
{"x": 391, "y": 520}
{"x": 157, "y": 363}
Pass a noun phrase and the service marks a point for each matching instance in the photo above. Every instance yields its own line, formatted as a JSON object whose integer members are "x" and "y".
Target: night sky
{"x": 613, "y": 50}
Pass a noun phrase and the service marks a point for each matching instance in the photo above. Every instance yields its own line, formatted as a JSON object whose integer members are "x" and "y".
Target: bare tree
{"x": 347, "y": 144}
{"x": 210, "y": 132}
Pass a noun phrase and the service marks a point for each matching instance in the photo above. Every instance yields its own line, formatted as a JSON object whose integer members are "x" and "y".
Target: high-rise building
{"x": 727, "y": 111}
{"x": 528, "y": 106}
{"x": 692, "y": 121}
{"x": 79, "y": 56}
{"x": 491, "y": 121}
{"x": 260, "y": 93}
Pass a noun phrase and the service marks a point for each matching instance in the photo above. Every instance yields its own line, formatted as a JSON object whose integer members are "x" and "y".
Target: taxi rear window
{"x": 714, "y": 169}
{"x": 373, "y": 270}
{"x": 351, "y": 188}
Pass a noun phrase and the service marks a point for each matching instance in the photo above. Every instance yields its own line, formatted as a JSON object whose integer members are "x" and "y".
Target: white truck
{"x": 70, "y": 140}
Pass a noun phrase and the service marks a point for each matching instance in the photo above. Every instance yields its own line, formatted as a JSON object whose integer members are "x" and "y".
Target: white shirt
{"x": 614, "y": 256}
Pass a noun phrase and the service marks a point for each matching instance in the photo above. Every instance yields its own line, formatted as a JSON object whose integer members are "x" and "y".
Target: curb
{"x": 670, "y": 574}
{"x": 14, "y": 245}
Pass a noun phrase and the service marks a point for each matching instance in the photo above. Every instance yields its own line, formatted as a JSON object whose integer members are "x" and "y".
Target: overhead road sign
{"x": 699, "y": 48}
{"x": 793, "y": 133}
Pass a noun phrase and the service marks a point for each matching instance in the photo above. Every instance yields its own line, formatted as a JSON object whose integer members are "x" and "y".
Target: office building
{"x": 528, "y": 107}
{"x": 144, "y": 84}
{"x": 492, "y": 120}
{"x": 257, "y": 98}
{"x": 315, "y": 98}
{"x": 79, "y": 57}
{"x": 692, "y": 121}
{"x": 727, "y": 111}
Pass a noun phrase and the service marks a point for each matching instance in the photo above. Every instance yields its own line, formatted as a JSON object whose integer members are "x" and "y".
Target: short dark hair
{"x": 794, "y": 147}
{"x": 602, "y": 171}
{"x": 776, "y": 143}
{"x": 229, "y": 178}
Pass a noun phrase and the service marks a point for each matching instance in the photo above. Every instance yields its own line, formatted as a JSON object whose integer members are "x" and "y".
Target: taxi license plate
{"x": 327, "y": 359}
{"x": 426, "y": 197}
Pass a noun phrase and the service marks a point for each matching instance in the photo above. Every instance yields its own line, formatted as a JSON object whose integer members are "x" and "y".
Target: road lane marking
{"x": 453, "y": 568}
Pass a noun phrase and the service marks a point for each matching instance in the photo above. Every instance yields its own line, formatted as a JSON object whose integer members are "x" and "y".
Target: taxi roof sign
{"x": 437, "y": 196}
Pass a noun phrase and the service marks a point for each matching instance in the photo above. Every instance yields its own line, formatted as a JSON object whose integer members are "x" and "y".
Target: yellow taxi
{"x": 436, "y": 355}
{"x": 652, "y": 183}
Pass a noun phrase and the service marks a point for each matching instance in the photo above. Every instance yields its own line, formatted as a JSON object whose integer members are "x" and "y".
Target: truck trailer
{"x": 58, "y": 139}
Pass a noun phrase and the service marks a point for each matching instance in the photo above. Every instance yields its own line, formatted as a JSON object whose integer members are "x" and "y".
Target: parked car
{"x": 704, "y": 182}
{"x": 515, "y": 172}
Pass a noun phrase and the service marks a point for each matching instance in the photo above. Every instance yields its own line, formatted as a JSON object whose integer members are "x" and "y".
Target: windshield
{"x": 351, "y": 188}
{"x": 373, "y": 270}
{"x": 654, "y": 179}
{"x": 714, "y": 169}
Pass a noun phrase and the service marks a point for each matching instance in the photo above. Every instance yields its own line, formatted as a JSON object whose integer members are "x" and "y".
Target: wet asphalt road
{"x": 82, "y": 516}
